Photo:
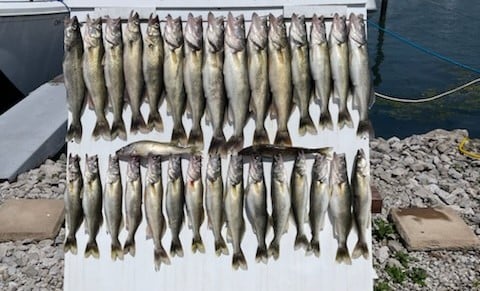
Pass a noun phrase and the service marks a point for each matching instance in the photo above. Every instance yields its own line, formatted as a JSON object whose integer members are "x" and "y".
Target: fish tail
{"x": 234, "y": 144}
{"x": 101, "y": 129}
{"x": 218, "y": 141}
{"x": 118, "y": 129}
{"x": 343, "y": 255}
{"x": 361, "y": 249}
{"x": 306, "y": 125}
{"x": 325, "y": 120}
{"x": 179, "y": 136}
{"x": 74, "y": 132}
{"x": 301, "y": 241}
{"x": 260, "y": 136}
{"x": 239, "y": 261}
{"x": 283, "y": 138}
{"x": 155, "y": 121}
{"x": 261, "y": 255}
{"x": 176, "y": 248}
{"x": 197, "y": 245}
{"x": 274, "y": 250}
{"x": 365, "y": 129}
{"x": 138, "y": 124}
{"x": 314, "y": 248}
{"x": 70, "y": 245}
{"x": 116, "y": 251}
{"x": 196, "y": 137}
{"x": 129, "y": 247}
{"x": 160, "y": 256}
{"x": 221, "y": 247}
{"x": 344, "y": 119}
{"x": 92, "y": 249}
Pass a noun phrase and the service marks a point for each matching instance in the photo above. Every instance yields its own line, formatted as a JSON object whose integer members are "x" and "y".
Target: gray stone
{"x": 395, "y": 246}
{"x": 399, "y": 172}
{"x": 394, "y": 263}
{"x": 30, "y": 271}
{"x": 382, "y": 254}
{"x": 453, "y": 173}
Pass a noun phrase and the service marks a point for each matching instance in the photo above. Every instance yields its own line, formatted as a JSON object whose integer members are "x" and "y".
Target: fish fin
{"x": 179, "y": 136}
{"x": 283, "y": 138}
{"x": 234, "y": 144}
{"x": 343, "y": 256}
{"x": 188, "y": 110}
{"x": 118, "y": 130}
{"x": 70, "y": 245}
{"x": 221, "y": 247}
{"x": 197, "y": 245}
{"x": 138, "y": 124}
{"x": 239, "y": 261}
{"x": 89, "y": 101}
{"x": 160, "y": 256}
{"x": 196, "y": 137}
{"x": 176, "y": 248}
{"x": 92, "y": 250}
{"x": 116, "y": 251}
{"x": 361, "y": 249}
{"x": 325, "y": 120}
{"x": 301, "y": 242}
{"x": 274, "y": 250}
{"x": 314, "y": 247}
{"x": 230, "y": 115}
{"x": 260, "y": 136}
{"x": 306, "y": 125}
{"x": 344, "y": 119}
{"x": 155, "y": 121}
{"x": 217, "y": 143}
{"x": 261, "y": 255}
{"x": 365, "y": 129}
{"x": 101, "y": 129}
{"x": 273, "y": 111}
{"x": 208, "y": 116}
{"x": 74, "y": 132}
{"x": 148, "y": 232}
{"x": 129, "y": 247}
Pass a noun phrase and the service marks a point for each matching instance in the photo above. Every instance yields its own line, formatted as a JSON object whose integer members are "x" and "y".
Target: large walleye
{"x": 153, "y": 71}
{"x": 258, "y": 75}
{"x": 72, "y": 72}
{"x": 280, "y": 77}
{"x": 94, "y": 76}
{"x": 235, "y": 72}
{"x": 114, "y": 74}
{"x": 281, "y": 202}
{"x": 73, "y": 203}
{"x": 360, "y": 72}
{"x": 234, "y": 210}
{"x": 156, "y": 224}
{"x": 212, "y": 77}
{"x": 92, "y": 205}
{"x": 194, "y": 201}
{"x": 302, "y": 81}
{"x": 320, "y": 68}
{"x": 256, "y": 206}
{"x": 214, "y": 202}
{"x": 133, "y": 203}
{"x": 338, "y": 47}
{"x": 300, "y": 199}
{"x": 143, "y": 148}
{"x": 173, "y": 76}
{"x": 339, "y": 208}
{"x": 175, "y": 203}
{"x": 362, "y": 203}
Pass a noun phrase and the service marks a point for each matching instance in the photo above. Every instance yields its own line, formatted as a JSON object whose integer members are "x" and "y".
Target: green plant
{"x": 381, "y": 286}
{"x": 418, "y": 276}
{"x": 382, "y": 229}
{"x": 403, "y": 258}
{"x": 396, "y": 274}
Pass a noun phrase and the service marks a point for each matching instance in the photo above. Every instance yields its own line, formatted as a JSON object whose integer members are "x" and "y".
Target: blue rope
{"x": 425, "y": 50}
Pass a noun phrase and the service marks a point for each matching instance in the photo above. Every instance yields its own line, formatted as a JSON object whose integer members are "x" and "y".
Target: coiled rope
{"x": 461, "y": 148}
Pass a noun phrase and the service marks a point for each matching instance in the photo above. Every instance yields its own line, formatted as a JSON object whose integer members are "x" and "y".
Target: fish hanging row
{"x": 222, "y": 73}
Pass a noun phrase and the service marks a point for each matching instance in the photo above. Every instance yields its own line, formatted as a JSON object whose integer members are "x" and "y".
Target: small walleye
{"x": 92, "y": 205}
{"x": 73, "y": 203}
{"x": 258, "y": 75}
{"x": 301, "y": 78}
{"x": 175, "y": 203}
{"x": 234, "y": 210}
{"x": 173, "y": 76}
{"x": 338, "y": 48}
{"x": 280, "y": 77}
{"x": 153, "y": 71}
{"x": 256, "y": 206}
{"x": 299, "y": 186}
{"x": 133, "y": 203}
{"x": 94, "y": 76}
{"x": 269, "y": 150}
{"x": 156, "y": 224}
{"x": 114, "y": 77}
{"x": 320, "y": 68}
{"x": 213, "y": 84}
{"x": 194, "y": 201}
{"x": 339, "y": 208}
{"x": 214, "y": 202}
{"x": 144, "y": 148}
{"x": 73, "y": 75}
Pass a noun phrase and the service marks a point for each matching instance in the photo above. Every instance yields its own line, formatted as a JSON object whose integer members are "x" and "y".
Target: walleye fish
{"x": 213, "y": 85}
{"x": 256, "y": 206}
{"x": 133, "y": 203}
{"x": 175, "y": 203}
{"x": 72, "y": 72}
{"x": 299, "y": 186}
{"x": 114, "y": 78}
{"x": 234, "y": 210}
{"x": 156, "y": 224}
{"x": 112, "y": 204}
{"x": 94, "y": 76}
{"x": 287, "y": 152}
{"x": 92, "y": 205}
{"x": 73, "y": 203}
{"x": 302, "y": 81}
{"x": 320, "y": 68}
{"x": 194, "y": 201}
{"x": 360, "y": 76}
{"x": 280, "y": 77}
{"x": 338, "y": 47}
{"x": 339, "y": 208}
{"x": 153, "y": 71}
{"x": 362, "y": 203}
{"x": 281, "y": 202}
{"x": 214, "y": 202}
{"x": 258, "y": 76}
{"x": 173, "y": 76}
{"x": 320, "y": 193}
{"x": 143, "y": 148}
{"x": 235, "y": 72}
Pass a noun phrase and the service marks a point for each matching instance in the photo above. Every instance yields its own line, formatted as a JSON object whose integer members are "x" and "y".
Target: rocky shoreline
{"x": 418, "y": 171}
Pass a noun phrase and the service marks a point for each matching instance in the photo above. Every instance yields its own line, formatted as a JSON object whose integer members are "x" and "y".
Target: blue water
{"x": 448, "y": 27}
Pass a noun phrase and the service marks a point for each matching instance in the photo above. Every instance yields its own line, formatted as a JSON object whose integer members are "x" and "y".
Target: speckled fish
{"x": 234, "y": 210}
{"x": 112, "y": 204}
{"x": 173, "y": 76}
{"x": 92, "y": 205}
{"x": 320, "y": 68}
{"x": 280, "y": 77}
{"x": 258, "y": 76}
{"x": 144, "y": 148}
{"x": 214, "y": 202}
{"x": 339, "y": 208}
{"x": 73, "y": 203}
{"x": 94, "y": 76}
{"x": 156, "y": 224}
{"x": 175, "y": 203}
{"x": 114, "y": 75}
{"x": 287, "y": 152}
{"x": 133, "y": 203}
{"x": 153, "y": 71}
{"x": 194, "y": 201}
{"x": 213, "y": 85}
{"x": 299, "y": 186}
{"x": 302, "y": 81}
{"x": 73, "y": 76}
{"x": 256, "y": 206}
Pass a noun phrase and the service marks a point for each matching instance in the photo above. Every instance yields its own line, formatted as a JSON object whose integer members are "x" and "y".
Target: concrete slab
{"x": 433, "y": 229}
{"x": 34, "y": 219}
